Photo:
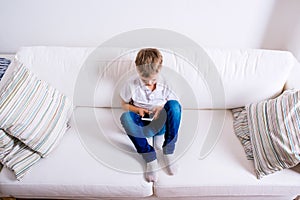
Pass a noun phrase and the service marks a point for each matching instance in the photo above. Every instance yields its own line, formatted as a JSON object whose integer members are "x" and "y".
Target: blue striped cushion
{"x": 4, "y": 63}
{"x": 270, "y": 130}
{"x": 34, "y": 115}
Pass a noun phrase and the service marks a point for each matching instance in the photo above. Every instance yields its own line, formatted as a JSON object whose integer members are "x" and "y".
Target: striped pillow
{"x": 4, "y": 63}
{"x": 16, "y": 155}
{"x": 241, "y": 129}
{"x": 274, "y": 127}
{"x": 33, "y": 117}
{"x": 270, "y": 131}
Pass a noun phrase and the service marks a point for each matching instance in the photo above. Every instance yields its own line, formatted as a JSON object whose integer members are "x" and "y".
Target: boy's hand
{"x": 156, "y": 111}
{"x": 142, "y": 112}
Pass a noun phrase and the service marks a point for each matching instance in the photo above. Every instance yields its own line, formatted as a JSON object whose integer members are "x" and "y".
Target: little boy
{"x": 148, "y": 94}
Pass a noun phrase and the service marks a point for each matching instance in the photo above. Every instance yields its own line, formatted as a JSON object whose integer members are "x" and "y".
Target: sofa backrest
{"x": 209, "y": 79}
{"x": 57, "y": 65}
{"x": 252, "y": 75}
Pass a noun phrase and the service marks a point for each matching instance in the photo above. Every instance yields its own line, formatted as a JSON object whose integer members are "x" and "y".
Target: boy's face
{"x": 149, "y": 81}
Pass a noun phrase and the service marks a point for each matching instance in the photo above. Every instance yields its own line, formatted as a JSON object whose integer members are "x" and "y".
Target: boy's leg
{"x": 133, "y": 126}
{"x": 159, "y": 130}
{"x": 149, "y": 155}
{"x": 158, "y": 141}
{"x": 173, "y": 110}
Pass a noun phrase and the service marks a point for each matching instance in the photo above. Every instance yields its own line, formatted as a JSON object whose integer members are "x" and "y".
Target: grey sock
{"x": 171, "y": 165}
{"x": 151, "y": 168}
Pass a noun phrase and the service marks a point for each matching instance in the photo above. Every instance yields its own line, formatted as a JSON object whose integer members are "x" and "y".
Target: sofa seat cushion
{"x": 96, "y": 159}
{"x": 225, "y": 171}
{"x": 73, "y": 171}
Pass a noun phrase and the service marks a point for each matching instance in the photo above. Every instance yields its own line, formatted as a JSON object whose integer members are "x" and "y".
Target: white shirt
{"x": 136, "y": 91}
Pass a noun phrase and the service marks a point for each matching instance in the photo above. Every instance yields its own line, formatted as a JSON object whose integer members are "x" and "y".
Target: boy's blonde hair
{"x": 148, "y": 62}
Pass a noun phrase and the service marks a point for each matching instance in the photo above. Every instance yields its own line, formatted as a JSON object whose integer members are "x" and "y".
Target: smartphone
{"x": 148, "y": 117}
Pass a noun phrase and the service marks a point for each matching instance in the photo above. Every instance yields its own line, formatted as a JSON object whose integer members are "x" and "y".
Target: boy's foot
{"x": 171, "y": 166}
{"x": 151, "y": 174}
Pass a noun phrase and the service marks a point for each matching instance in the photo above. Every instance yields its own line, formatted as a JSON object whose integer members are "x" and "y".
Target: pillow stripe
{"x": 56, "y": 113}
{"x": 23, "y": 99}
{"x": 10, "y": 92}
{"x": 29, "y": 112}
{"x": 15, "y": 155}
{"x": 21, "y": 159}
{"x": 12, "y": 112}
{"x": 279, "y": 125}
{"x": 39, "y": 110}
{"x": 6, "y": 144}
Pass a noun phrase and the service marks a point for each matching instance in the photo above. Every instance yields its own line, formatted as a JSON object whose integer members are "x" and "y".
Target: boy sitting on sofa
{"x": 149, "y": 94}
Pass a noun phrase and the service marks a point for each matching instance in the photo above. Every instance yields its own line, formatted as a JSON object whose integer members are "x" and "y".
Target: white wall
{"x": 214, "y": 23}
{"x": 283, "y": 29}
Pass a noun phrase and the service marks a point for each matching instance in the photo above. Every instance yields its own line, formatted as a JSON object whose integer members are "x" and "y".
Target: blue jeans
{"x": 167, "y": 123}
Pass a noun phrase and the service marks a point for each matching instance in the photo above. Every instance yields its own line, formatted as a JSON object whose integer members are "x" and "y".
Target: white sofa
{"x": 96, "y": 160}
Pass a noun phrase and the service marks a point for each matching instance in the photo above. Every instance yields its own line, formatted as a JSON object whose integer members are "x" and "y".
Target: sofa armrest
{"x": 293, "y": 81}
{"x": 7, "y": 56}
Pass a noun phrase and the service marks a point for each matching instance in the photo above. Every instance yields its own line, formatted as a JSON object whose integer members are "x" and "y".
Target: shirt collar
{"x": 158, "y": 83}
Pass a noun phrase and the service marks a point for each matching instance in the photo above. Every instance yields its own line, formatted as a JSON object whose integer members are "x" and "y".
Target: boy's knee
{"x": 125, "y": 117}
{"x": 173, "y": 105}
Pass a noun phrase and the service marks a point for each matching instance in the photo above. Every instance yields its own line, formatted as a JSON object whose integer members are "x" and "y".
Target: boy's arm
{"x": 132, "y": 108}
